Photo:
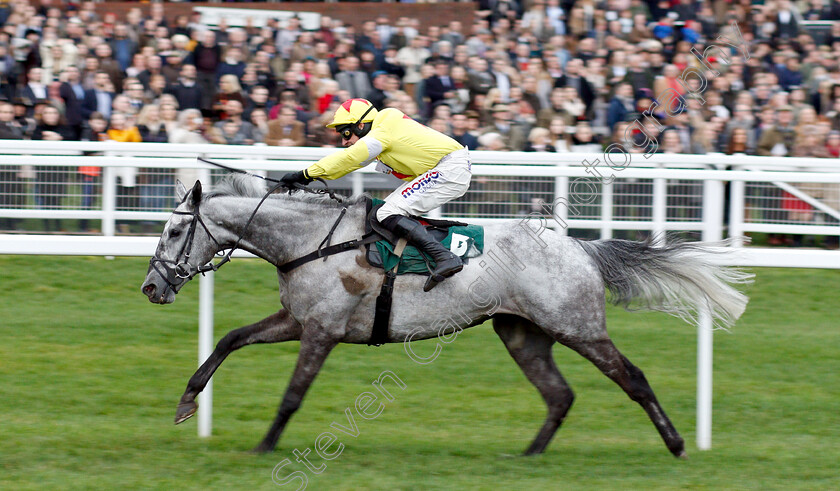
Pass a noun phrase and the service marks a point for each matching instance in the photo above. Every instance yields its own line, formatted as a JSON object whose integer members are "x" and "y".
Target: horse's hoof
{"x": 682, "y": 455}
{"x": 185, "y": 411}
{"x": 262, "y": 448}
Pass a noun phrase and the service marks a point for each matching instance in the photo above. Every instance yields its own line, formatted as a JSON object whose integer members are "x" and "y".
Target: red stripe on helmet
{"x": 346, "y": 104}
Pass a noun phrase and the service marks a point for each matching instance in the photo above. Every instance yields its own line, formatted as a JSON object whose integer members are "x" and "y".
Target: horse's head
{"x": 186, "y": 247}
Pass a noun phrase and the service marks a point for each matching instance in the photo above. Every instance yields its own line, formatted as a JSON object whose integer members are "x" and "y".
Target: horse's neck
{"x": 282, "y": 230}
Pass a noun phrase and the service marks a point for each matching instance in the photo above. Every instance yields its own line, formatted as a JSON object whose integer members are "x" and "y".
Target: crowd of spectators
{"x": 537, "y": 75}
{"x": 580, "y": 70}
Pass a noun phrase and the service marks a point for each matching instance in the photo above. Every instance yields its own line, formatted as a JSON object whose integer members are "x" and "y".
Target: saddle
{"x": 385, "y": 250}
{"x": 396, "y": 258}
{"x": 464, "y": 240}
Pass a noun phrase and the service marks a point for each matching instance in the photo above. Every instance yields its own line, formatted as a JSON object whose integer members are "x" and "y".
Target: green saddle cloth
{"x": 465, "y": 241}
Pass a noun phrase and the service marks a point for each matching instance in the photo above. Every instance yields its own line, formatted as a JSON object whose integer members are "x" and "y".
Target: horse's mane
{"x": 243, "y": 186}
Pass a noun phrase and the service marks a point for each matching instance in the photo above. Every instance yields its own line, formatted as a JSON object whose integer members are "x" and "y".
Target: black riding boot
{"x": 446, "y": 263}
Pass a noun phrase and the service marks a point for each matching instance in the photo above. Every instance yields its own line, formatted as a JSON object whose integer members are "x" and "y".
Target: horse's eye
{"x": 175, "y": 233}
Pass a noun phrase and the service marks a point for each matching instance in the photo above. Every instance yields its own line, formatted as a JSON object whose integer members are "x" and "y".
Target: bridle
{"x": 176, "y": 273}
{"x": 179, "y": 271}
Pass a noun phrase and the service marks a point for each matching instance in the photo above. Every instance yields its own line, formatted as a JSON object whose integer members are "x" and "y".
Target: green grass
{"x": 90, "y": 373}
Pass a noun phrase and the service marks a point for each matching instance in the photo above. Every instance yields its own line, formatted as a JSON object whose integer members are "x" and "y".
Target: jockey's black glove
{"x": 293, "y": 178}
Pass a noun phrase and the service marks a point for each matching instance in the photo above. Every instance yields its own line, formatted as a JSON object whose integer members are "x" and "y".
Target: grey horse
{"x": 537, "y": 285}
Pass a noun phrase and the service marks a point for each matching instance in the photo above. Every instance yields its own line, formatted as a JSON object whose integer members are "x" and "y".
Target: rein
{"x": 297, "y": 186}
{"x": 183, "y": 271}
{"x": 321, "y": 251}
{"x": 179, "y": 271}
{"x": 176, "y": 273}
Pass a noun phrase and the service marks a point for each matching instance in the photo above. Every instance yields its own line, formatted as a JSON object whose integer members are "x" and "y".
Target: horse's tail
{"x": 676, "y": 278}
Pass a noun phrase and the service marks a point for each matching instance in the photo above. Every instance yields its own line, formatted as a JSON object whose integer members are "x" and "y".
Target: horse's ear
{"x": 180, "y": 190}
{"x": 196, "y": 193}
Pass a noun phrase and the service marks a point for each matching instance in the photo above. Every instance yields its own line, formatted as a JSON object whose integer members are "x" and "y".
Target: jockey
{"x": 435, "y": 167}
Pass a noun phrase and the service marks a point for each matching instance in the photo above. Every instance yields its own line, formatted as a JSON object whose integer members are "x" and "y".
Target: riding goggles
{"x": 345, "y": 130}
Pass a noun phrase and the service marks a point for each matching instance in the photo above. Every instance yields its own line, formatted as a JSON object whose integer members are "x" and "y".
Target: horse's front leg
{"x": 273, "y": 329}
{"x": 315, "y": 345}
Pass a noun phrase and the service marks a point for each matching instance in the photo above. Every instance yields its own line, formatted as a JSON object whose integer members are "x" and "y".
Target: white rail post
{"x": 560, "y": 210}
{"x": 606, "y": 210}
{"x": 205, "y": 348}
{"x": 737, "y": 208}
{"x": 712, "y": 231}
{"x": 357, "y": 180}
{"x": 659, "y": 212}
{"x": 109, "y": 201}
{"x": 705, "y": 342}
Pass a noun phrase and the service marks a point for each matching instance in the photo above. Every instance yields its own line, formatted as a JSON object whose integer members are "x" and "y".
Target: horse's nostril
{"x": 149, "y": 289}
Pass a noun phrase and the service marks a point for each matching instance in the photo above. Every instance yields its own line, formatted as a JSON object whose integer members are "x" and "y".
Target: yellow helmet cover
{"x": 353, "y": 111}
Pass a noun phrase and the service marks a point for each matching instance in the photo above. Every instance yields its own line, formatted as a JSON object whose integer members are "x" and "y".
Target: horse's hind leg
{"x": 530, "y": 347}
{"x": 273, "y": 329}
{"x": 614, "y": 365}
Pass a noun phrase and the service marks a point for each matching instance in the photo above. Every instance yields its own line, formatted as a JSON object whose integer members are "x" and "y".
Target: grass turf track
{"x": 90, "y": 373}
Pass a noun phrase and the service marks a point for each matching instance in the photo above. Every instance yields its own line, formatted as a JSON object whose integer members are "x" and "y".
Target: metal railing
{"x": 130, "y": 183}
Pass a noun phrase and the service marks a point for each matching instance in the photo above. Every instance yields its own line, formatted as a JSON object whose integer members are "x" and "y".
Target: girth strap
{"x": 382, "y": 314}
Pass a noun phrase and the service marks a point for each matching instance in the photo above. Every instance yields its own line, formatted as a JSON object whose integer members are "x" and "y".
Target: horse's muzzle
{"x": 157, "y": 290}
